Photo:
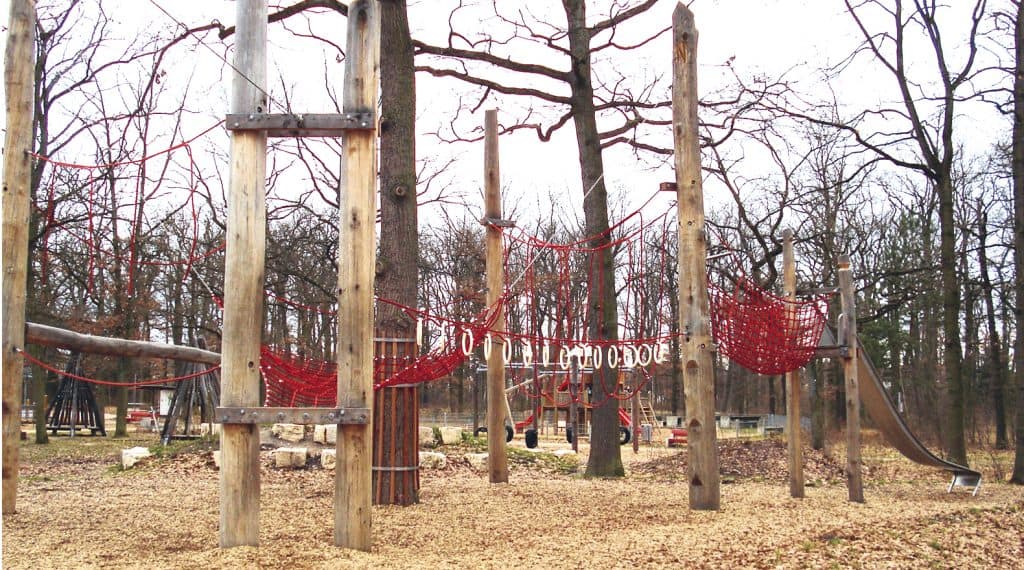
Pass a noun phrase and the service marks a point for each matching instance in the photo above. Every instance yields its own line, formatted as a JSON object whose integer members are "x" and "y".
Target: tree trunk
{"x": 396, "y": 263}
{"x": 605, "y": 456}
{"x": 1018, "y": 237}
{"x": 953, "y": 357}
{"x": 997, "y": 370}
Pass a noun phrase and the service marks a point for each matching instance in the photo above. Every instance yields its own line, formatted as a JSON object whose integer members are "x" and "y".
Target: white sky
{"x": 769, "y": 37}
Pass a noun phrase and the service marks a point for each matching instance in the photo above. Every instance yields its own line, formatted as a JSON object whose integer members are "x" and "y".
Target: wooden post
{"x": 793, "y": 431}
{"x": 634, "y": 412}
{"x": 694, "y": 313}
{"x": 243, "y": 283}
{"x": 573, "y": 422}
{"x": 353, "y": 480}
{"x": 854, "y": 481}
{"x": 497, "y": 460}
{"x": 19, "y": 66}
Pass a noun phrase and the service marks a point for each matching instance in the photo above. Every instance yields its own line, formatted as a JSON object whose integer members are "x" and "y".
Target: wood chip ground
{"x": 76, "y": 509}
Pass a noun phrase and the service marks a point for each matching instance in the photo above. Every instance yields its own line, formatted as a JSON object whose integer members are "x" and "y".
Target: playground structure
{"x": 744, "y": 323}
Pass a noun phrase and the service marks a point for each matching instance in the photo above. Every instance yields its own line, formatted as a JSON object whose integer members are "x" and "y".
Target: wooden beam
{"x": 793, "y": 431}
{"x": 694, "y": 313}
{"x": 854, "y": 480}
{"x": 45, "y": 335}
{"x": 301, "y": 416}
{"x": 497, "y": 455}
{"x": 19, "y": 65}
{"x": 243, "y": 284}
{"x": 353, "y": 479}
{"x": 300, "y": 125}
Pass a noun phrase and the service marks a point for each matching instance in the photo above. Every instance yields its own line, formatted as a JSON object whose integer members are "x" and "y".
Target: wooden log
{"x": 854, "y": 479}
{"x": 19, "y": 66}
{"x": 45, "y": 335}
{"x": 353, "y": 480}
{"x": 793, "y": 431}
{"x": 243, "y": 284}
{"x": 694, "y": 313}
{"x": 497, "y": 459}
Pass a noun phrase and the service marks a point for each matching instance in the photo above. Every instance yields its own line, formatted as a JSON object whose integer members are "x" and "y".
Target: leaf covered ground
{"x": 76, "y": 509}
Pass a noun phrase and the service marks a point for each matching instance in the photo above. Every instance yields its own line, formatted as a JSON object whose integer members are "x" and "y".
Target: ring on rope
{"x": 583, "y": 352}
{"x": 488, "y": 345}
{"x": 419, "y": 332}
{"x": 545, "y": 354}
{"x": 467, "y": 341}
{"x": 613, "y": 356}
{"x": 640, "y": 355}
{"x": 660, "y": 353}
{"x": 506, "y": 351}
{"x": 628, "y": 356}
{"x": 597, "y": 356}
{"x": 564, "y": 358}
{"x": 527, "y": 353}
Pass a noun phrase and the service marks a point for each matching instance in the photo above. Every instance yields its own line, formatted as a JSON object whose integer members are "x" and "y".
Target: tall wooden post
{"x": 19, "y": 66}
{"x": 497, "y": 460}
{"x": 854, "y": 481}
{"x": 694, "y": 313}
{"x": 793, "y": 431}
{"x": 635, "y": 412}
{"x": 243, "y": 283}
{"x": 356, "y": 260}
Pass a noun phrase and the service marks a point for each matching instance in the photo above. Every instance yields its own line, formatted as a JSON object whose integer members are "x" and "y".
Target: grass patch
{"x": 564, "y": 465}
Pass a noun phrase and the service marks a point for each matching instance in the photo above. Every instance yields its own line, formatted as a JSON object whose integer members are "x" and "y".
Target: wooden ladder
{"x": 647, "y": 416}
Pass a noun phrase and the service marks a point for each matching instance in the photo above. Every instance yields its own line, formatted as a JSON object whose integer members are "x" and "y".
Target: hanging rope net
{"x": 763, "y": 332}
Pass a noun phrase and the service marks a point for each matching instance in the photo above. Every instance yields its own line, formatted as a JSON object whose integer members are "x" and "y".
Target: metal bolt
{"x": 341, "y": 412}
{"x": 305, "y": 416}
{"x": 280, "y": 416}
{"x": 251, "y": 116}
{"x": 241, "y": 412}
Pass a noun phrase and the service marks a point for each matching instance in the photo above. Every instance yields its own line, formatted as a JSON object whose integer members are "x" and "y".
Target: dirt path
{"x": 76, "y": 511}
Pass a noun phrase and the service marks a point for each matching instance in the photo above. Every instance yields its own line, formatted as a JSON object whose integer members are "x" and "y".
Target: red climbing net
{"x": 763, "y": 332}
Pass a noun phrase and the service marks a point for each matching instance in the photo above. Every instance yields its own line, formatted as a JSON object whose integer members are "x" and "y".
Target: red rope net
{"x": 765, "y": 333}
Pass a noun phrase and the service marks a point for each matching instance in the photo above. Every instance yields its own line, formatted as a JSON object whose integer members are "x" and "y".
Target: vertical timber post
{"x": 19, "y": 67}
{"x": 793, "y": 432}
{"x": 854, "y": 481}
{"x": 243, "y": 283}
{"x": 694, "y": 312}
{"x": 497, "y": 460}
{"x": 357, "y": 254}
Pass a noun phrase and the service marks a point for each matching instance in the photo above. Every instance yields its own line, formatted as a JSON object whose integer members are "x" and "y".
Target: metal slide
{"x": 879, "y": 406}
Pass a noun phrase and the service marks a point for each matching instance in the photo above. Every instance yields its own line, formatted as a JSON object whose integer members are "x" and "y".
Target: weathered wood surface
{"x": 357, "y": 258}
{"x": 694, "y": 313}
{"x": 243, "y": 284}
{"x": 497, "y": 459}
{"x": 854, "y": 479}
{"x": 793, "y": 431}
{"x": 19, "y": 64}
{"x": 46, "y": 335}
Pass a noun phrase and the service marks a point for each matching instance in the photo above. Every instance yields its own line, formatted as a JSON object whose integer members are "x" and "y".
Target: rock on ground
{"x": 451, "y": 435}
{"x": 329, "y": 458}
{"x": 289, "y": 432}
{"x": 427, "y": 437}
{"x": 432, "y": 460}
{"x": 478, "y": 461}
{"x": 131, "y": 456}
{"x": 290, "y": 457}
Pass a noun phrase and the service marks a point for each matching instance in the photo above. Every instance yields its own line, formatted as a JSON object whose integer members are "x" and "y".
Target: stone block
{"x": 216, "y": 459}
{"x": 289, "y": 432}
{"x": 331, "y": 434}
{"x": 563, "y": 452}
{"x": 131, "y": 456}
{"x": 432, "y": 460}
{"x": 478, "y": 461}
{"x": 451, "y": 435}
{"x": 328, "y": 458}
{"x": 319, "y": 434}
{"x": 290, "y": 457}
{"x": 427, "y": 437}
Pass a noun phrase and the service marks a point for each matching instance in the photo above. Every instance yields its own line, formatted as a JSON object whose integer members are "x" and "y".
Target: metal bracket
{"x": 497, "y": 222}
{"x": 301, "y": 125}
{"x": 966, "y": 480}
{"x": 303, "y": 416}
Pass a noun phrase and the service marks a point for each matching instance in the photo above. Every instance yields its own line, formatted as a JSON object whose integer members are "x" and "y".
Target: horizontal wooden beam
{"x": 62, "y": 338}
{"x": 300, "y": 124}
{"x": 304, "y": 416}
